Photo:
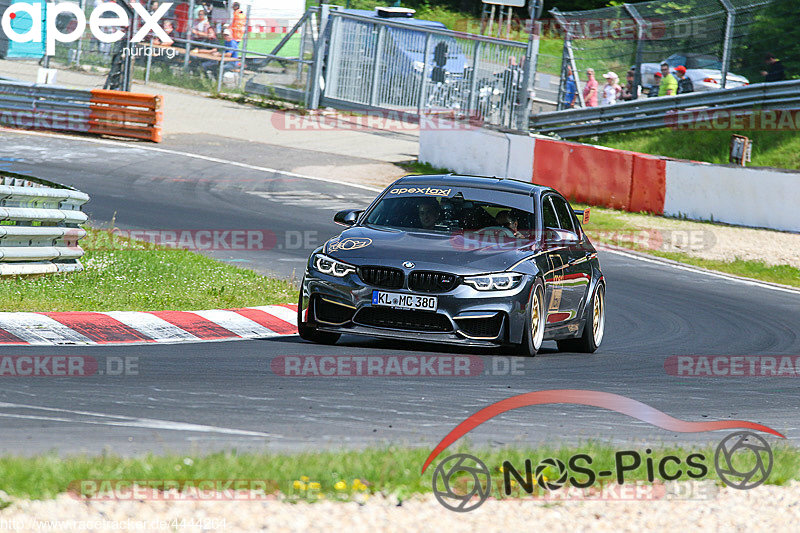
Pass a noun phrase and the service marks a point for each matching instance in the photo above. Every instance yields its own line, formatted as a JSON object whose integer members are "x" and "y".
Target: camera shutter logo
{"x": 740, "y": 444}
{"x": 557, "y": 464}
{"x": 456, "y": 469}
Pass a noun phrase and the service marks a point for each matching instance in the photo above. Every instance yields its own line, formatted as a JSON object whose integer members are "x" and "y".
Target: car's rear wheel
{"x": 595, "y": 326}
{"x": 310, "y": 333}
{"x": 535, "y": 319}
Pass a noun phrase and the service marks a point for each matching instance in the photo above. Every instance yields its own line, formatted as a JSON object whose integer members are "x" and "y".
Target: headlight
{"x": 327, "y": 265}
{"x": 500, "y": 281}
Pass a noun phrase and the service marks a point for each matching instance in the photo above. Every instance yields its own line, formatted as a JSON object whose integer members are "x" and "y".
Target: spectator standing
{"x": 775, "y": 71}
{"x": 685, "y": 84}
{"x": 182, "y": 19}
{"x": 610, "y": 89}
{"x": 237, "y": 23}
{"x": 590, "y": 89}
{"x": 669, "y": 84}
{"x": 654, "y": 88}
{"x": 570, "y": 90}
{"x": 628, "y": 92}
{"x": 202, "y": 30}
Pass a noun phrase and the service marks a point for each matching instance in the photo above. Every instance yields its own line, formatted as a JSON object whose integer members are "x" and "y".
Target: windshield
{"x": 458, "y": 213}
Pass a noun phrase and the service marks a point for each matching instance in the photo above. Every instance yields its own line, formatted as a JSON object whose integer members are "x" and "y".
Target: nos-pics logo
{"x": 107, "y": 15}
{"x": 462, "y": 482}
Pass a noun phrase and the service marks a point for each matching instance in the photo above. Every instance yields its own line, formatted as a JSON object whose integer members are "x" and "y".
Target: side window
{"x": 564, "y": 214}
{"x": 549, "y": 213}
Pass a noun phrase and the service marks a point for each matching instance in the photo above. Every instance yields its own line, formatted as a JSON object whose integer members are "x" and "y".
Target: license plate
{"x": 404, "y": 301}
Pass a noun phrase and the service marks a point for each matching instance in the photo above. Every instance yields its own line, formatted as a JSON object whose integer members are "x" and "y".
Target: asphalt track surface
{"x": 224, "y": 395}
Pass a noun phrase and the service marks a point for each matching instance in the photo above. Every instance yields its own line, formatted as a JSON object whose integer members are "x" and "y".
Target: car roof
{"x": 478, "y": 182}
{"x": 403, "y": 20}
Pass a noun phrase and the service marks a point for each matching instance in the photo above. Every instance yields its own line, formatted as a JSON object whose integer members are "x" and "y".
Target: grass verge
{"x": 121, "y": 274}
{"x": 343, "y": 474}
{"x": 621, "y": 229}
{"x": 780, "y": 149}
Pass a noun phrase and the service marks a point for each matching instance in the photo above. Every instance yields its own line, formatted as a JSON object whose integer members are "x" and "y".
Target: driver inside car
{"x": 428, "y": 211}
{"x": 508, "y": 220}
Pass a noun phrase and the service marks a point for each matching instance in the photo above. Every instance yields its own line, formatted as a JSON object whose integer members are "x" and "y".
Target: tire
{"x": 593, "y": 330}
{"x": 535, "y": 320}
{"x": 310, "y": 333}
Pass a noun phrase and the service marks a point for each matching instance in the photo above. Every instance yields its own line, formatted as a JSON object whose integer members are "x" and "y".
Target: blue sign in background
{"x": 22, "y": 23}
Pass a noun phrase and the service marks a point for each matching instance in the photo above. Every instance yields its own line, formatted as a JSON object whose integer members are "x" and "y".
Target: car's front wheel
{"x": 310, "y": 333}
{"x": 595, "y": 326}
{"x": 535, "y": 320}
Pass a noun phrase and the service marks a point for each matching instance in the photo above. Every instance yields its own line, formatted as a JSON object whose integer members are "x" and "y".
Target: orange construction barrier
{"x": 124, "y": 114}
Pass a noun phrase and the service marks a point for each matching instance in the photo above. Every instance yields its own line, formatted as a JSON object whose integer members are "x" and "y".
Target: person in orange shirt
{"x": 237, "y": 24}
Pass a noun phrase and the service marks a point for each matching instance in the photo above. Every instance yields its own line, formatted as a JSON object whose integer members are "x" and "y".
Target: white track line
{"x": 154, "y": 327}
{"x": 194, "y": 156}
{"x": 39, "y": 329}
{"x": 689, "y": 268}
{"x": 124, "y": 421}
{"x": 236, "y": 323}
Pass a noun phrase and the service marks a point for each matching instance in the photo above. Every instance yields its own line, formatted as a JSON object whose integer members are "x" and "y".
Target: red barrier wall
{"x": 648, "y": 184}
{"x": 600, "y": 176}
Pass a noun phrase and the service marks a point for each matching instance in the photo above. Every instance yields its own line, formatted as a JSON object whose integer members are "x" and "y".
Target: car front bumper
{"x": 464, "y": 315}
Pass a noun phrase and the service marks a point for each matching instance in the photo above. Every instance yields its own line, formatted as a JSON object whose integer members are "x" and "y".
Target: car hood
{"x": 458, "y": 254}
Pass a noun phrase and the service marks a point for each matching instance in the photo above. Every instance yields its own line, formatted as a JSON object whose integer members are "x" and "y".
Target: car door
{"x": 558, "y": 307}
{"x": 577, "y": 270}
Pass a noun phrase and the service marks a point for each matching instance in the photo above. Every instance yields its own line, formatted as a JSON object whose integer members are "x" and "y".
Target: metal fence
{"x": 701, "y": 34}
{"x": 389, "y": 64}
{"x": 691, "y": 110}
{"x": 39, "y": 226}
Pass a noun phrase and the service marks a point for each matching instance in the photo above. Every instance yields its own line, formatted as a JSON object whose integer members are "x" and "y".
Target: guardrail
{"x": 39, "y": 226}
{"x": 97, "y": 111}
{"x": 665, "y": 111}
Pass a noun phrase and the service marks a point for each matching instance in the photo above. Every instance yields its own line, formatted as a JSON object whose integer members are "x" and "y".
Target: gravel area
{"x": 715, "y": 241}
{"x": 766, "y": 508}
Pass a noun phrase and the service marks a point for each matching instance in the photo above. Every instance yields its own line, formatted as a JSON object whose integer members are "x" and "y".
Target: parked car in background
{"x": 705, "y": 71}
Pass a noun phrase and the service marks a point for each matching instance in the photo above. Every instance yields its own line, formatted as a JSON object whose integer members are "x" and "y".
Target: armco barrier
{"x": 39, "y": 226}
{"x": 118, "y": 113}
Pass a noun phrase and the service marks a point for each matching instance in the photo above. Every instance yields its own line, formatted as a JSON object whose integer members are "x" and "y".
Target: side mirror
{"x": 348, "y": 217}
{"x": 560, "y": 237}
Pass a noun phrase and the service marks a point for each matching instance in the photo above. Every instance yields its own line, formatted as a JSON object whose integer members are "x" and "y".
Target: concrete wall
{"x": 478, "y": 151}
{"x": 736, "y": 195}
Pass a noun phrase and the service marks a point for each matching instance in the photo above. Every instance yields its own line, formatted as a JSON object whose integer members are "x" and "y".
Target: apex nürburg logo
{"x": 107, "y": 15}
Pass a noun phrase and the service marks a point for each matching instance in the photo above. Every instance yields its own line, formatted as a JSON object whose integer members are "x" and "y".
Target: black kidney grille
{"x": 386, "y": 277}
{"x": 424, "y": 281}
{"x": 403, "y": 319}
